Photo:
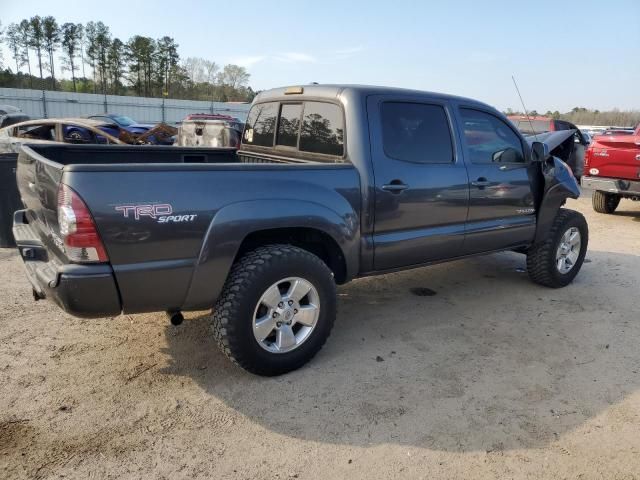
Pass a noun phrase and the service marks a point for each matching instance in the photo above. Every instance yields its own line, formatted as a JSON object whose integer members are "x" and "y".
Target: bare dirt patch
{"x": 492, "y": 377}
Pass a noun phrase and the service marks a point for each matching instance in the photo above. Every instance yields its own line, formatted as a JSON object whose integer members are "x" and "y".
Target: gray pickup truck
{"x": 330, "y": 183}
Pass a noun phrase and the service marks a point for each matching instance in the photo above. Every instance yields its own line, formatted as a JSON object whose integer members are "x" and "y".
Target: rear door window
{"x": 289, "y": 125}
{"x": 416, "y": 132}
{"x": 261, "y": 124}
{"x": 322, "y": 129}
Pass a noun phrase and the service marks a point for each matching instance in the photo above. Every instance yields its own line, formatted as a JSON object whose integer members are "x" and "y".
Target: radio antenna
{"x": 525, "y": 108}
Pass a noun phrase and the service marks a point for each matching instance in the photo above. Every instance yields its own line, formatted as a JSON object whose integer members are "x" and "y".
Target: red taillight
{"x": 587, "y": 157}
{"x": 77, "y": 228}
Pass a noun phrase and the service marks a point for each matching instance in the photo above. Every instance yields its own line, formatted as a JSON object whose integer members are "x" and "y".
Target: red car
{"x": 612, "y": 169}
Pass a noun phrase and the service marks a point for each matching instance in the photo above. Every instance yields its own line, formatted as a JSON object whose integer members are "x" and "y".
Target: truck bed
{"x": 127, "y": 154}
{"x": 164, "y": 260}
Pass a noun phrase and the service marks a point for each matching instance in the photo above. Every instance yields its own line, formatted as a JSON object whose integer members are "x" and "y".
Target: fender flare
{"x": 234, "y": 222}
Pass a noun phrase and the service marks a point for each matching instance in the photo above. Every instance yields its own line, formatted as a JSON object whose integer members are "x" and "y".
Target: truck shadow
{"x": 489, "y": 362}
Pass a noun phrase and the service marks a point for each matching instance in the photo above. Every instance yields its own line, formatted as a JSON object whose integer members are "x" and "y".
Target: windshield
{"x": 124, "y": 121}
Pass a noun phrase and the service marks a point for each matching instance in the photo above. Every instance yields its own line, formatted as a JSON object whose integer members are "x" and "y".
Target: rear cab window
{"x": 289, "y": 124}
{"x": 307, "y": 129}
{"x": 261, "y": 125}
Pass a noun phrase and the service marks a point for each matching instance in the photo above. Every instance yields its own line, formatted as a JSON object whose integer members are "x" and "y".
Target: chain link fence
{"x": 51, "y": 104}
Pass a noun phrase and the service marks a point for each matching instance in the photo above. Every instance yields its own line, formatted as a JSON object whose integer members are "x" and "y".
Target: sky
{"x": 563, "y": 53}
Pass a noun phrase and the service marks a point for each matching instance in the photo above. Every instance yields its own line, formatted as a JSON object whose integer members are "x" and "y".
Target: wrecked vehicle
{"x": 55, "y": 130}
{"x": 612, "y": 164}
{"x": 571, "y": 151}
{"x": 135, "y": 129}
{"x": 330, "y": 183}
{"x": 209, "y": 130}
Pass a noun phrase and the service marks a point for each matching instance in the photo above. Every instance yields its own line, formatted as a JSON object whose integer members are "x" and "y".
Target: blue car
{"x": 130, "y": 125}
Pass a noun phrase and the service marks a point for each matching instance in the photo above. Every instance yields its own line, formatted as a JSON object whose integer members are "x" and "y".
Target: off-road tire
{"x": 605, "y": 202}
{"x": 541, "y": 257}
{"x": 250, "y": 276}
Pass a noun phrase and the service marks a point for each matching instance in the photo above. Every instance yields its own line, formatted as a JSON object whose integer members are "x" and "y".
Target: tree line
{"x": 587, "y": 116}
{"x": 41, "y": 50}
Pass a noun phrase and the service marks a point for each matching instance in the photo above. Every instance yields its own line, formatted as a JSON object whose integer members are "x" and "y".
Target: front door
{"x": 501, "y": 203}
{"x": 421, "y": 184}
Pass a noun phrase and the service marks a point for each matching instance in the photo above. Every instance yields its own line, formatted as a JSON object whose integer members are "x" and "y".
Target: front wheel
{"x": 605, "y": 202}
{"x": 276, "y": 310}
{"x": 556, "y": 261}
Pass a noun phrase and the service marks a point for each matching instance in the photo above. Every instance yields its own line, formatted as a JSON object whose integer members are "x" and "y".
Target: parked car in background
{"x": 586, "y": 135}
{"x": 571, "y": 151}
{"x": 331, "y": 183}
{"x": 53, "y": 130}
{"x": 131, "y": 126}
{"x": 618, "y": 131}
{"x": 10, "y": 115}
{"x": 209, "y": 130}
{"x": 612, "y": 168}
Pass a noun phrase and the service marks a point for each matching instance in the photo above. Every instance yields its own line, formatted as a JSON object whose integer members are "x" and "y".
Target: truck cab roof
{"x": 336, "y": 91}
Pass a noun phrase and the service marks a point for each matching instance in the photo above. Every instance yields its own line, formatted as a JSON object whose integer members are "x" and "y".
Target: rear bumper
{"x": 87, "y": 291}
{"x": 612, "y": 185}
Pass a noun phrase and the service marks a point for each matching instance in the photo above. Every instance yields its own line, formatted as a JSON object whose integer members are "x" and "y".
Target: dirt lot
{"x": 490, "y": 377}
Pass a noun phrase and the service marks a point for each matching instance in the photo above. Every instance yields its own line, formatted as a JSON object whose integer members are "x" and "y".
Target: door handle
{"x": 481, "y": 183}
{"x": 396, "y": 186}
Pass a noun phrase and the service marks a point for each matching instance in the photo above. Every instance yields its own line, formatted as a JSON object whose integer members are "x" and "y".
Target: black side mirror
{"x": 539, "y": 151}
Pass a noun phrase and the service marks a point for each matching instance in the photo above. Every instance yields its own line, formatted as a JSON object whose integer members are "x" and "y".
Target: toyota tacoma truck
{"x": 612, "y": 165}
{"x": 330, "y": 183}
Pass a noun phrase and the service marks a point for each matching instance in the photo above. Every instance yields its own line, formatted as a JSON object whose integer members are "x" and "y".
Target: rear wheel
{"x": 605, "y": 202}
{"x": 276, "y": 310}
{"x": 556, "y": 261}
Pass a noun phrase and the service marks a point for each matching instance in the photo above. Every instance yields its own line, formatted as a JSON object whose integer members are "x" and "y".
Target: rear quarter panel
{"x": 183, "y": 264}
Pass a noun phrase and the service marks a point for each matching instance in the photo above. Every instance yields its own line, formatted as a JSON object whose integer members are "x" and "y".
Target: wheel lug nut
{"x": 275, "y": 314}
{"x": 278, "y": 324}
{"x": 295, "y": 310}
{"x": 290, "y": 302}
{"x": 281, "y": 305}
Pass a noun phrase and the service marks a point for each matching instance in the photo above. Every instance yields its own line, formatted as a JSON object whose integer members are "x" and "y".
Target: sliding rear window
{"x": 289, "y": 124}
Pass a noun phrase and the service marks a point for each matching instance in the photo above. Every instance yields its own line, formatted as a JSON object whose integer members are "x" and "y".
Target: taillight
{"x": 77, "y": 228}
{"x": 587, "y": 158}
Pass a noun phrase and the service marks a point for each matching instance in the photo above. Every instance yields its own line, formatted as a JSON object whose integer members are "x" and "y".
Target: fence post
{"x": 163, "y": 116}
{"x": 44, "y": 104}
{"x": 106, "y": 110}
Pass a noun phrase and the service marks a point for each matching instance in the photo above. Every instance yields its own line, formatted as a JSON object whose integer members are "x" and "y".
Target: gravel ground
{"x": 462, "y": 370}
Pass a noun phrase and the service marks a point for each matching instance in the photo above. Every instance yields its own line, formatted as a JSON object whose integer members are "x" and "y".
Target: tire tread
{"x": 243, "y": 273}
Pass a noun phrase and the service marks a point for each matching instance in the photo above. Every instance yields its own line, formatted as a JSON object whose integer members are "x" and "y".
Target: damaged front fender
{"x": 559, "y": 184}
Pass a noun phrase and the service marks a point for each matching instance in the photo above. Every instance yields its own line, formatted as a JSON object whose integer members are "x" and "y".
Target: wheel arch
{"x": 243, "y": 226}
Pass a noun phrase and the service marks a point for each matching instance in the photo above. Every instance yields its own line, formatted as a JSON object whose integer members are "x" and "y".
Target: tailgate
{"x": 38, "y": 179}
{"x": 614, "y": 156}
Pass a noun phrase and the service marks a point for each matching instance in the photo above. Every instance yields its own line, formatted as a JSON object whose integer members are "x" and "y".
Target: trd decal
{"x": 161, "y": 212}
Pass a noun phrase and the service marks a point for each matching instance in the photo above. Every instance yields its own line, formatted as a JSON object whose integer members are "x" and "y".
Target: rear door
{"x": 501, "y": 203}
{"x": 421, "y": 184}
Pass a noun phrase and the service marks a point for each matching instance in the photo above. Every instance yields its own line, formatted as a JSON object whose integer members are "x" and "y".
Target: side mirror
{"x": 508, "y": 155}
{"x": 539, "y": 151}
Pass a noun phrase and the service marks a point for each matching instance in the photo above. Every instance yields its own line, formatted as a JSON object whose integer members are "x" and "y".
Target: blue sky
{"x": 563, "y": 53}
